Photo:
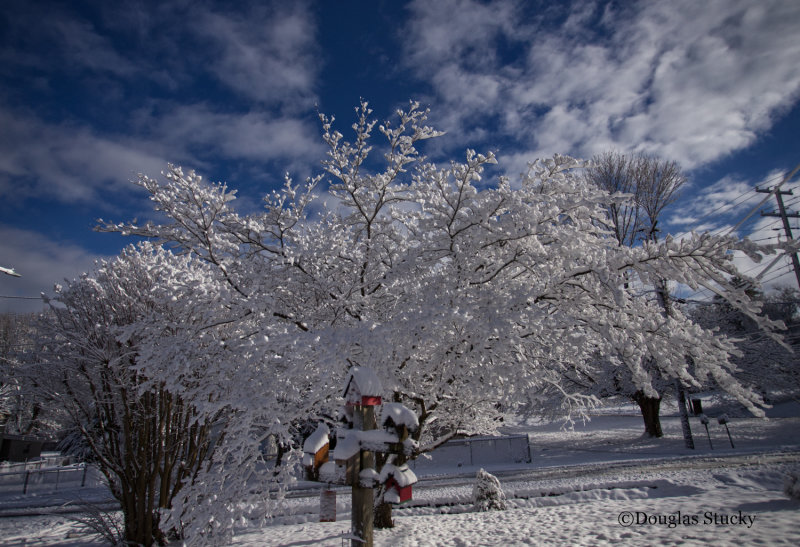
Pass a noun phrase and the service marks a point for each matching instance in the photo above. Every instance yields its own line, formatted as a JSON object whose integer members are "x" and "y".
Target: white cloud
{"x": 722, "y": 205}
{"x": 41, "y": 263}
{"x": 268, "y": 53}
{"x": 66, "y": 162}
{"x": 689, "y": 81}
{"x": 72, "y": 163}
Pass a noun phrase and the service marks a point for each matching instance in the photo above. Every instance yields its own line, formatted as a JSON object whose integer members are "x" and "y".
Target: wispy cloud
{"x": 66, "y": 162}
{"x": 264, "y": 54}
{"x": 268, "y": 53}
{"x": 688, "y": 81}
{"x": 712, "y": 208}
{"x": 258, "y": 136}
{"x": 36, "y": 257}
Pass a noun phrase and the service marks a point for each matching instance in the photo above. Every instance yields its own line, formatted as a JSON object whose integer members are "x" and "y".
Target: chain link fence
{"x": 474, "y": 451}
{"x": 33, "y": 477}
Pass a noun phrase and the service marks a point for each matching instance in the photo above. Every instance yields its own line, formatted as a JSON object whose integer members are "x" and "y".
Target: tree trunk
{"x": 383, "y": 514}
{"x": 650, "y": 407}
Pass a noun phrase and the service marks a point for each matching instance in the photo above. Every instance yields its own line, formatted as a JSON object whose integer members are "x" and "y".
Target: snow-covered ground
{"x": 599, "y": 484}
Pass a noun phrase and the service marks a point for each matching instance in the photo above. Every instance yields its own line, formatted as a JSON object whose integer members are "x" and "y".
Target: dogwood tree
{"x": 468, "y": 299}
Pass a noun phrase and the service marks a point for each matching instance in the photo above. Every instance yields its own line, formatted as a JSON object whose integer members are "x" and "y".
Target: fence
{"x": 479, "y": 451}
{"x": 51, "y": 479}
{"x": 47, "y": 460}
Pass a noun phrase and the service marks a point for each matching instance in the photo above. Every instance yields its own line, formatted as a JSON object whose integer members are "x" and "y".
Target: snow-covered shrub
{"x": 108, "y": 525}
{"x": 791, "y": 486}
{"x": 487, "y": 493}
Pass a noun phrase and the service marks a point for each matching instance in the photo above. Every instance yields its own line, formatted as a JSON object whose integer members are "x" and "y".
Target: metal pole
{"x": 729, "y": 435}
{"x": 704, "y": 420}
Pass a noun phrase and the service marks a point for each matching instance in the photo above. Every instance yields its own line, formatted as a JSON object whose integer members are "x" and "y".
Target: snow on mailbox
{"x": 363, "y": 388}
{"x": 397, "y": 481}
{"x": 345, "y": 457}
{"x": 400, "y": 421}
{"x": 315, "y": 450}
{"x": 398, "y": 417}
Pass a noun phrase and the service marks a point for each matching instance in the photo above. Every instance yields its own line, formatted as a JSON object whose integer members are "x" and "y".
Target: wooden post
{"x": 363, "y": 498}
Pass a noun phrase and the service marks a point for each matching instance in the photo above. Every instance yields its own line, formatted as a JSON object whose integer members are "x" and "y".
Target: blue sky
{"x": 92, "y": 93}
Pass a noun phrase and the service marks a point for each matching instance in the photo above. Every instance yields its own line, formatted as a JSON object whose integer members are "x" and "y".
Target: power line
{"x": 774, "y": 190}
{"x": 738, "y": 199}
{"x": 784, "y": 216}
{"x": 768, "y": 238}
{"x": 723, "y": 206}
{"x": 780, "y": 272}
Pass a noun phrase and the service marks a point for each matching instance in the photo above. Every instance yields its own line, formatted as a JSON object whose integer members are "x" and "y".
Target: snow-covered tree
{"x": 761, "y": 361}
{"x": 653, "y": 184}
{"x": 128, "y": 348}
{"x": 467, "y": 299}
{"x": 148, "y": 440}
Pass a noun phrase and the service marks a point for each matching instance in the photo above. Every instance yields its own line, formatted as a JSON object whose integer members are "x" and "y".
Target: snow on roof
{"x": 317, "y": 440}
{"x": 347, "y": 446}
{"x": 367, "y": 382}
{"x": 368, "y": 477}
{"x": 391, "y": 496}
{"x": 402, "y": 474}
{"x": 400, "y": 415}
{"x": 375, "y": 440}
{"x": 329, "y": 472}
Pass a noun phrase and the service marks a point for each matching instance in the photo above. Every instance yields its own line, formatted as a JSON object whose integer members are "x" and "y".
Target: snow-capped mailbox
{"x": 395, "y": 416}
{"x": 397, "y": 481}
{"x": 399, "y": 421}
{"x": 315, "y": 451}
{"x": 363, "y": 388}
{"x": 345, "y": 457}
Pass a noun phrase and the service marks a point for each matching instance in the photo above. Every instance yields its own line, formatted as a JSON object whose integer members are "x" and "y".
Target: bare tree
{"x": 23, "y": 411}
{"x": 653, "y": 184}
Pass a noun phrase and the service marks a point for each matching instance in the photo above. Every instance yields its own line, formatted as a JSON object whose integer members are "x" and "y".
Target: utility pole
{"x": 785, "y": 218}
